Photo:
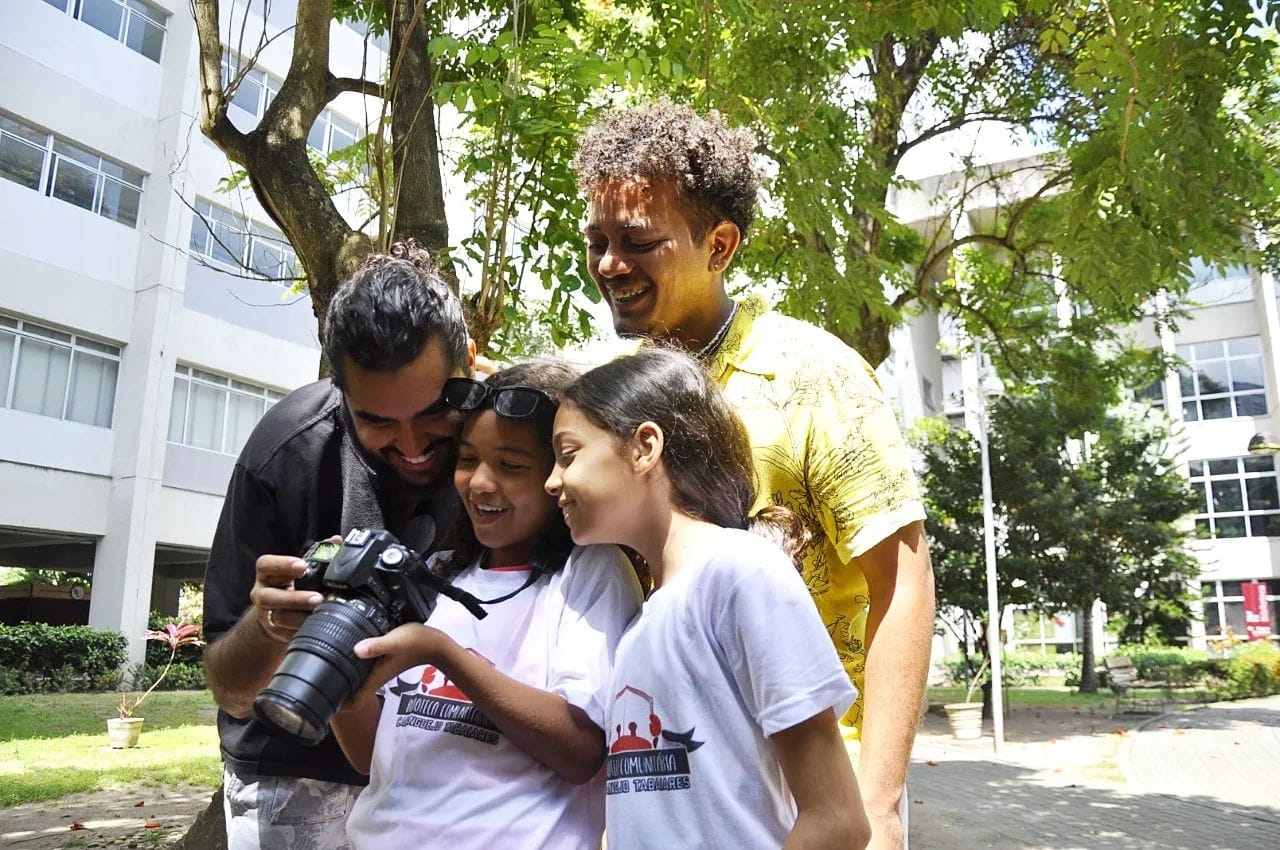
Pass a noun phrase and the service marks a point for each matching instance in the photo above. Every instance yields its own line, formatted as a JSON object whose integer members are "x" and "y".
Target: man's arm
{"x": 240, "y": 587}
{"x": 898, "y": 639}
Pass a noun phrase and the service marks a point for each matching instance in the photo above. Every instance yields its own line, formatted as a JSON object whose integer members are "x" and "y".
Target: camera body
{"x": 372, "y": 583}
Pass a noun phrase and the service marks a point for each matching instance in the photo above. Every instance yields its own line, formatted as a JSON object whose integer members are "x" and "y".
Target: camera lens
{"x": 320, "y": 670}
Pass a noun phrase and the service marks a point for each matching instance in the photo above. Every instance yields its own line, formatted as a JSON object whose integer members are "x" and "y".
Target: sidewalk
{"x": 1201, "y": 779}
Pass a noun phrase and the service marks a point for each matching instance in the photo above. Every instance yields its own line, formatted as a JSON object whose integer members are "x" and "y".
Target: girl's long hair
{"x": 554, "y": 543}
{"x": 706, "y": 450}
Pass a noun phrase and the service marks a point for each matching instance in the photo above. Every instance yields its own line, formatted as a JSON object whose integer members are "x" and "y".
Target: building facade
{"x": 146, "y": 316}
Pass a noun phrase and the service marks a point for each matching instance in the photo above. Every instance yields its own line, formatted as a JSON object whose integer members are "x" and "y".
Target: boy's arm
{"x": 899, "y": 634}
{"x": 356, "y": 728}
{"x": 816, "y": 767}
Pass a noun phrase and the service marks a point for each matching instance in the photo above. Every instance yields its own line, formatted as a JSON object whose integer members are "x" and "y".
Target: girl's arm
{"x": 543, "y": 724}
{"x": 816, "y": 767}
{"x": 356, "y": 727}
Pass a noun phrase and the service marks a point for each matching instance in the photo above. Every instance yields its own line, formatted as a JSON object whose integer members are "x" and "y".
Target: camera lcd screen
{"x": 325, "y": 550}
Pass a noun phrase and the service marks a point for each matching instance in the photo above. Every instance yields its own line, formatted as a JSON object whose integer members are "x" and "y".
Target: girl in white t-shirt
{"x": 721, "y": 710}
{"x": 487, "y": 732}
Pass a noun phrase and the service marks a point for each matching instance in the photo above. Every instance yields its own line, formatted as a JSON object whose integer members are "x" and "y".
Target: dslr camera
{"x": 371, "y": 584}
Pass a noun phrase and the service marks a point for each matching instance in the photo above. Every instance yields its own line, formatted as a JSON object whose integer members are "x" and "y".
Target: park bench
{"x": 1123, "y": 678}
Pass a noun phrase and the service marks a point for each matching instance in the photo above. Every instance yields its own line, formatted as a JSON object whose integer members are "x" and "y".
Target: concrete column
{"x": 125, "y": 558}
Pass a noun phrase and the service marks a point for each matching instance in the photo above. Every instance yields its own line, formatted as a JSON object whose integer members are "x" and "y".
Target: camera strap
{"x": 535, "y": 573}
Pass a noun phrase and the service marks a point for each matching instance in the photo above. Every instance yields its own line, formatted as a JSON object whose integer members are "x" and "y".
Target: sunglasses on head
{"x": 467, "y": 394}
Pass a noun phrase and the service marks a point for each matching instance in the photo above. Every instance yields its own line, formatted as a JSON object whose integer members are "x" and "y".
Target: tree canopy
{"x": 1080, "y": 516}
{"x": 1154, "y": 117}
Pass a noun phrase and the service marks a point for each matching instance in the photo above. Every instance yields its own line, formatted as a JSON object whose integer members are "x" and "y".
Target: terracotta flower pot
{"x": 965, "y": 719}
{"x": 123, "y": 732}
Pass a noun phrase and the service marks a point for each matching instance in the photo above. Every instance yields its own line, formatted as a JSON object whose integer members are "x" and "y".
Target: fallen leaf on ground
{"x": 931, "y": 763}
{"x": 75, "y": 824}
{"x": 139, "y": 804}
{"x": 1119, "y": 731}
{"x": 151, "y": 824}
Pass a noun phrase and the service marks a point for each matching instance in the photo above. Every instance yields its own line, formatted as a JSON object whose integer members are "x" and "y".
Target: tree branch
{"x": 338, "y": 85}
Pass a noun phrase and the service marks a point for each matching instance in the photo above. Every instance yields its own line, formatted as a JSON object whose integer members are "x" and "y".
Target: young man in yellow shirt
{"x": 672, "y": 195}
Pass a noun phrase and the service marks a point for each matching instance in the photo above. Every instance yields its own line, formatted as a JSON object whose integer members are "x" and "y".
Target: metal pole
{"x": 994, "y": 646}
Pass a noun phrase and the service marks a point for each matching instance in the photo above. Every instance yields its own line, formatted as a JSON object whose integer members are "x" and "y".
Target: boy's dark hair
{"x": 709, "y": 161}
{"x": 385, "y": 313}
{"x": 554, "y": 544}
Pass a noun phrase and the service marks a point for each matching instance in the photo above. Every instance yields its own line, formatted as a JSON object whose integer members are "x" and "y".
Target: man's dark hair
{"x": 709, "y": 161}
{"x": 384, "y": 314}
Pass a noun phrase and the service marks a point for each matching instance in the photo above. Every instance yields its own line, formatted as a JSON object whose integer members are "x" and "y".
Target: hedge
{"x": 37, "y": 657}
{"x": 1018, "y": 668}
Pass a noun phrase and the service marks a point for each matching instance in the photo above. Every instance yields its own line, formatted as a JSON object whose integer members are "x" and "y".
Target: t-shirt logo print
{"x": 435, "y": 704}
{"x": 644, "y": 756}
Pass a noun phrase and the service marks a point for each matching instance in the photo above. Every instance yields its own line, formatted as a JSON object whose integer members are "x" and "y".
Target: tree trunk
{"x": 208, "y": 831}
{"x": 1088, "y": 673}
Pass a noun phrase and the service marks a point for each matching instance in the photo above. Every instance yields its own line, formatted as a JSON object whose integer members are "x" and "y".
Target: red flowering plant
{"x": 175, "y": 637}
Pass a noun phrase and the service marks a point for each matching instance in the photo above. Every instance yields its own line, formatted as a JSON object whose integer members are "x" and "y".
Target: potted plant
{"x": 966, "y": 717}
{"x": 124, "y": 731}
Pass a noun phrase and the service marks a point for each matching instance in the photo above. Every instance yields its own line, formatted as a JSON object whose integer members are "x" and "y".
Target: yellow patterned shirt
{"x": 828, "y": 447}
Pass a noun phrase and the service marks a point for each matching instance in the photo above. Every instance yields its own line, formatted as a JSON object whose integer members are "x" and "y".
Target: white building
{"x": 135, "y": 354}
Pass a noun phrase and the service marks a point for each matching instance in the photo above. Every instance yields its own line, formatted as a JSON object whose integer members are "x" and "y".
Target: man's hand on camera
{"x": 278, "y": 608}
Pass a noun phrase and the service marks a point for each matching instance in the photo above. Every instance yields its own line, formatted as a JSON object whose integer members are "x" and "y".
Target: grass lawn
{"x": 56, "y": 744}
{"x": 1043, "y": 697}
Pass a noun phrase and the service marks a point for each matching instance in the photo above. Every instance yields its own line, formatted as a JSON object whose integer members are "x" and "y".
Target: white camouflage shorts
{"x": 286, "y": 813}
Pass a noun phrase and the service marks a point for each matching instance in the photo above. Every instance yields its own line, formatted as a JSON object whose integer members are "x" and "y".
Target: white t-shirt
{"x": 727, "y": 653}
{"x": 442, "y": 773}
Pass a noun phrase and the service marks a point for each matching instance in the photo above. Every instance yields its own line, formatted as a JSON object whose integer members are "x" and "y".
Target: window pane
{"x": 266, "y": 258}
{"x": 1227, "y": 496}
{"x": 1212, "y": 621}
{"x": 1232, "y": 588}
{"x": 1246, "y": 373}
{"x": 1190, "y": 412}
{"x": 227, "y": 245}
{"x": 60, "y": 5}
{"x": 1207, "y": 350}
{"x": 1203, "y": 530}
{"x": 1202, "y": 504}
{"x": 145, "y": 37}
{"x": 1265, "y": 526}
{"x": 200, "y": 238}
{"x": 245, "y": 413}
{"x": 249, "y": 95}
{"x": 1223, "y": 467}
{"x": 41, "y": 383}
{"x": 1195, "y": 468}
{"x": 21, "y": 162}
{"x": 1262, "y": 494}
{"x": 120, "y": 203}
{"x": 73, "y": 183}
{"x": 1246, "y": 344}
{"x": 1229, "y": 526}
{"x": 1234, "y": 613}
{"x": 103, "y": 15}
{"x": 1213, "y": 377}
{"x": 7, "y": 343}
{"x": 1216, "y": 407}
{"x": 1259, "y": 464}
{"x": 1254, "y": 404}
{"x": 316, "y": 137}
{"x": 205, "y": 417}
{"x": 178, "y": 410}
{"x": 1186, "y": 381}
{"x": 93, "y": 390}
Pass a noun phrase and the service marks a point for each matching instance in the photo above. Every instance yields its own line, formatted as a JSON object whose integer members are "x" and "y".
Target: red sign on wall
{"x": 1257, "y": 611}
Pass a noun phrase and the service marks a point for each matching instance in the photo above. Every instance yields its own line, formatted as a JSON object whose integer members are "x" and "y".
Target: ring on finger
{"x": 271, "y": 617}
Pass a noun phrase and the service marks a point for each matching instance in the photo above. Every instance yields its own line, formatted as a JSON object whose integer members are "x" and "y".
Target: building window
{"x": 138, "y": 26}
{"x": 226, "y": 238}
{"x": 215, "y": 412}
{"x": 1153, "y": 395}
{"x": 54, "y": 373}
{"x": 1224, "y": 606}
{"x": 1046, "y": 634}
{"x": 1238, "y": 497}
{"x": 256, "y": 90}
{"x": 55, "y": 167}
{"x": 1222, "y": 379}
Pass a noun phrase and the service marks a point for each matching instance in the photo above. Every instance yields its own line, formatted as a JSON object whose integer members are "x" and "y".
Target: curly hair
{"x": 709, "y": 161}
{"x": 384, "y": 314}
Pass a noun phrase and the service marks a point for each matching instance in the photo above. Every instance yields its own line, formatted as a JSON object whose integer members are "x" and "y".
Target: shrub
{"x": 1019, "y": 668}
{"x": 182, "y": 677}
{"x": 1252, "y": 671}
{"x": 36, "y": 657}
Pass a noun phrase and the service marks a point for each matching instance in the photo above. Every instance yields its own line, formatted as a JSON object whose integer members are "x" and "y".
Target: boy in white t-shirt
{"x": 488, "y": 733}
{"x": 722, "y": 707}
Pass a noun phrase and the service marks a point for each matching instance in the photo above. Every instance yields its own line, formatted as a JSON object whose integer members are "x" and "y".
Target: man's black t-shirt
{"x": 287, "y": 489}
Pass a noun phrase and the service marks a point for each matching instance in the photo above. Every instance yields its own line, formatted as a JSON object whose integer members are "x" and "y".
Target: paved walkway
{"x": 1201, "y": 779}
